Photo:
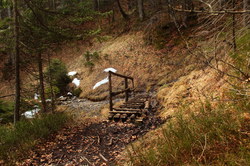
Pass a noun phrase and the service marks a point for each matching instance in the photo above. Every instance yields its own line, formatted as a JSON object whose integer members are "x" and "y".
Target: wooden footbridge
{"x": 135, "y": 109}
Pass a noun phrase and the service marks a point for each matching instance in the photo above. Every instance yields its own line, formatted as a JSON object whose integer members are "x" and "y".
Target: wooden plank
{"x": 136, "y": 102}
{"x": 117, "y": 116}
{"x": 133, "y": 104}
{"x": 110, "y": 116}
{"x": 124, "y": 116}
{"x": 127, "y": 112}
{"x": 132, "y": 116}
{"x": 126, "y": 109}
{"x": 119, "y": 75}
{"x": 132, "y": 107}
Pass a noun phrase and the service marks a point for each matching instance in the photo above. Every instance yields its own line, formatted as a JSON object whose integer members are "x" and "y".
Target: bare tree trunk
{"x": 124, "y": 15}
{"x": 52, "y": 93}
{"x": 9, "y": 12}
{"x": 113, "y": 15}
{"x": 140, "y": 9}
{"x": 17, "y": 64}
{"x": 52, "y": 4}
{"x": 41, "y": 81}
{"x": 1, "y": 5}
{"x": 96, "y": 5}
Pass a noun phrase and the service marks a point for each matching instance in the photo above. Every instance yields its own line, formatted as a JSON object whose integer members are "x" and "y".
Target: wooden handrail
{"x": 127, "y": 90}
{"x": 119, "y": 75}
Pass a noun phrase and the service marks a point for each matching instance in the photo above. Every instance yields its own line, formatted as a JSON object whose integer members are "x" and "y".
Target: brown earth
{"x": 92, "y": 142}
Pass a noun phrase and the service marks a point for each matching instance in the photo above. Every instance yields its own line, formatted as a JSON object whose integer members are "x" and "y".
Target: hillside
{"x": 191, "y": 59}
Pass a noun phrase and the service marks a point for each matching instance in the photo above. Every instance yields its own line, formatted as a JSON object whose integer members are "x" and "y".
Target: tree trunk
{"x": 52, "y": 93}
{"x": 9, "y": 12}
{"x": 17, "y": 64}
{"x": 41, "y": 81}
{"x": 96, "y": 5}
{"x": 1, "y": 6}
{"x": 52, "y": 4}
{"x": 140, "y": 9}
{"x": 124, "y": 15}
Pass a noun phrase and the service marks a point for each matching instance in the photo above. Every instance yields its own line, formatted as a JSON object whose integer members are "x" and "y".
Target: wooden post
{"x": 133, "y": 84}
{"x": 126, "y": 92}
{"x": 110, "y": 93}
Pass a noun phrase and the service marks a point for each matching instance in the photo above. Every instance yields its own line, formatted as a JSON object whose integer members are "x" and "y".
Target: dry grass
{"x": 195, "y": 87}
{"x": 210, "y": 135}
{"x": 131, "y": 56}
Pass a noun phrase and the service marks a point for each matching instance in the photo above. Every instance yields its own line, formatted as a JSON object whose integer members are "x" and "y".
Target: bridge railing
{"x": 126, "y": 90}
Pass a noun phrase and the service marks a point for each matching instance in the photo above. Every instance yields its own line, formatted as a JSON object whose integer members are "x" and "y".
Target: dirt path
{"x": 93, "y": 142}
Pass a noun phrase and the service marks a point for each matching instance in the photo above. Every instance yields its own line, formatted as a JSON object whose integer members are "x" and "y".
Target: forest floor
{"x": 93, "y": 141}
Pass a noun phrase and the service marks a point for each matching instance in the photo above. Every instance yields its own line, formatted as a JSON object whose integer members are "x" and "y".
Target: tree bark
{"x": 9, "y": 12}
{"x": 1, "y": 5}
{"x": 41, "y": 81}
{"x": 17, "y": 63}
{"x": 141, "y": 9}
{"x": 52, "y": 93}
{"x": 96, "y": 5}
{"x": 124, "y": 15}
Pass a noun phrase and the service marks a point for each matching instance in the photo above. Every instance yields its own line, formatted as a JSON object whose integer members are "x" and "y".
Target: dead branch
{"x": 227, "y": 11}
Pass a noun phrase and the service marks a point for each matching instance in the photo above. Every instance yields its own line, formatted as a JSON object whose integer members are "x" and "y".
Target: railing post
{"x": 133, "y": 84}
{"x": 127, "y": 91}
{"x": 110, "y": 93}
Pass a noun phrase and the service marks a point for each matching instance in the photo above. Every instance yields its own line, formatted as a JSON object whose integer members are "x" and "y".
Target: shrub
{"x": 6, "y": 112}
{"x": 77, "y": 92}
{"x": 90, "y": 59}
{"x": 48, "y": 91}
{"x": 58, "y": 73}
{"x": 14, "y": 141}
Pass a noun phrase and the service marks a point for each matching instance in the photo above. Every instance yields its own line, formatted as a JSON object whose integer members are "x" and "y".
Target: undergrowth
{"x": 6, "y": 112}
{"x": 210, "y": 136}
{"x": 16, "y": 140}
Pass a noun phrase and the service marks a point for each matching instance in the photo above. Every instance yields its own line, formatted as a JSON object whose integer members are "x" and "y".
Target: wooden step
{"x": 124, "y": 116}
{"x": 132, "y": 107}
{"x": 126, "y": 109}
{"x": 126, "y": 112}
{"x": 117, "y": 116}
{"x": 135, "y": 102}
